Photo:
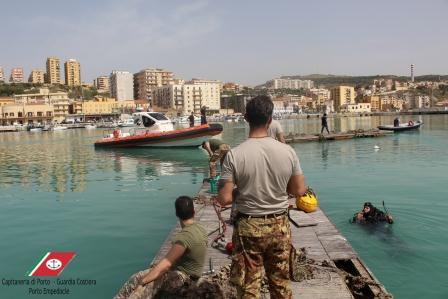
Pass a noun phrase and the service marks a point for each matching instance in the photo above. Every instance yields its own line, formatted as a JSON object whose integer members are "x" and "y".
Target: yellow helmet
{"x": 307, "y": 202}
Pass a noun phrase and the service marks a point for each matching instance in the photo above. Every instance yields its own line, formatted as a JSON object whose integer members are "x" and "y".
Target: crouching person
{"x": 185, "y": 260}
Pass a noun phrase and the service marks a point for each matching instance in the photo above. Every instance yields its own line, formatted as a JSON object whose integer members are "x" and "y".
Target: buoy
{"x": 376, "y": 147}
{"x": 229, "y": 247}
{"x": 307, "y": 202}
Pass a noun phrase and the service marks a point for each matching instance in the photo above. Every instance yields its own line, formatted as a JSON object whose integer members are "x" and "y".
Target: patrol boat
{"x": 156, "y": 130}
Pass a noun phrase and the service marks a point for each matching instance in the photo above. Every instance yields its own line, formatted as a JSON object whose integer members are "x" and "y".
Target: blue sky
{"x": 243, "y": 41}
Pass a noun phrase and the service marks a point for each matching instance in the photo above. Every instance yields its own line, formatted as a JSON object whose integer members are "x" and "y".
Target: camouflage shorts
{"x": 261, "y": 243}
{"x": 216, "y": 157}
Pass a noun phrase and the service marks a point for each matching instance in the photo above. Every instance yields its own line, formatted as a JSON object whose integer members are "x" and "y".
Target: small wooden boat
{"x": 403, "y": 127}
{"x": 156, "y": 130}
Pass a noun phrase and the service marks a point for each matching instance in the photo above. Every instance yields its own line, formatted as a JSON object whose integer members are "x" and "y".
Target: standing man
{"x": 275, "y": 131}
{"x": 191, "y": 119}
{"x": 203, "y": 117}
{"x": 324, "y": 124}
{"x": 264, "y": 171}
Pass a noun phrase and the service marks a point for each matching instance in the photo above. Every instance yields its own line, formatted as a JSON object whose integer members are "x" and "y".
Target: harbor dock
{"x": 335, "y": 270}
{"x": 296, "y": 138}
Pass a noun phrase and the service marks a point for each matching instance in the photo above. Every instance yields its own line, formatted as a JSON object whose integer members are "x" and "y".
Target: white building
{"x": 186, "y": 97}
{"x": 121, "y": 85}
{"x": 290, "y": 84}
{"x": 2, "y": 75}
{"x": 356, "y": 108}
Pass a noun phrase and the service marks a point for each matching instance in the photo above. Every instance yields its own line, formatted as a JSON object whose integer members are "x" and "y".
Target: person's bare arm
{"x": 206, "y": 146}
{"x": 225, "y": 192}
{"x": 296, "y": 185}
{"x": 165, "y": 264}
{"x": 281, "y": 137}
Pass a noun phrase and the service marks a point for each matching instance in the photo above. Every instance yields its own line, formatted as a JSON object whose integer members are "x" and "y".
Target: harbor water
{"x": 114, "y": 208}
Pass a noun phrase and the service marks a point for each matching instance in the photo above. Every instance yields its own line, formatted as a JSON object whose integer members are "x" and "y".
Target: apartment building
{"x": 188, "y": 97}
{"x": 342, "y": 95}
{"x": 53, "y": 75}
{"x": 121, "y": 85}
{"x": 59, "y": 101}
{"x": 25, "y": 114}
{"x": 2, "y": 75}
{"x": 16, "y": 75}
{"x": 102, "y": 83}
{"x": 72, "y": 71}
{"x": 147, "y": 80}
{"x": 289, "y": 84}
{"x": 36, "y": 76}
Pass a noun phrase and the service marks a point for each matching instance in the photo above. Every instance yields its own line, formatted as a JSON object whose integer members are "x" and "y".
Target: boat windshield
{"x": 158, "y": 116}
{"x": 147, "y": 122}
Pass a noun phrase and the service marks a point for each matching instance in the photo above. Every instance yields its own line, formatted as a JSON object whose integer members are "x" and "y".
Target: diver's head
{"x": 367, "y": 207}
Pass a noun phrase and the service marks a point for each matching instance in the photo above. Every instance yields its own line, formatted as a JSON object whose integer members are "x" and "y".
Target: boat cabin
{"x": 152, "y": 121}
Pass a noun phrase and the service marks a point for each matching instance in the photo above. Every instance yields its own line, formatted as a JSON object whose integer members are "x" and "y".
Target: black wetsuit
{"x": 374, "y": 216}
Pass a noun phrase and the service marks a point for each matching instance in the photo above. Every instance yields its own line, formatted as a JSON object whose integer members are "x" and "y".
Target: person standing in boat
{"x": 265, "y": 172}
{"x": 191, "y": 119}
{"x": 396, "y": 122}
{"x": 203, "y": 117}
{"x": 324, "y": 124}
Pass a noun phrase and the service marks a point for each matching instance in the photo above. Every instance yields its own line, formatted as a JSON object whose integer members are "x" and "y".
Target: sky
{"x": 248, "y": 42}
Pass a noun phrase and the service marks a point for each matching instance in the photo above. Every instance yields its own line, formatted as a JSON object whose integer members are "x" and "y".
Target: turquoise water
{"x": 115, "y": 207}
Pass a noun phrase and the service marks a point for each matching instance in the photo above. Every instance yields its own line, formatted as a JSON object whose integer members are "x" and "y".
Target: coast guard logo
{"x": 52, "y": 264}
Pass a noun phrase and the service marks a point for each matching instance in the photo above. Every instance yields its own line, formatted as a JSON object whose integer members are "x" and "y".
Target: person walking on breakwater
{"x": 217, "y": 150}
{"x": 264, "y": 171}
{"x": 191, "y": 119}
{"x": 324, "y": 124}
{"x": 185, "y": 260}
{"x": 372, "y": 215}
{"x": 275, "y": 131}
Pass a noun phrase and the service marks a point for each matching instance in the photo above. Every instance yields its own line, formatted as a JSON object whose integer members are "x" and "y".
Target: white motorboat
{"x": 59, "y": 128}
{"x": 156, "y": 130}
{"x": 90, "y": 127}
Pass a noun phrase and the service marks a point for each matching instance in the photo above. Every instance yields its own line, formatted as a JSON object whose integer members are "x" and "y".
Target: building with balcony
{"x": 342, "y": 95}
{"x": 121, "y": 85}
{"x": 36, "y": 76}
{"x": 72, "y": 71}
{"x": 59, "y": 101}
{"x": 188, "y": 97}
{"x": 16, "y": 75}
{"x": 26, "y": 114}
{"x": 147, "y": 80}
{"x": 102, "y": 83}
{"x": 53, "y": 75}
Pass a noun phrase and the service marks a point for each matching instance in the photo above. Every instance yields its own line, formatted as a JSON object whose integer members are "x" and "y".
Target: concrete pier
{"x": 320, "y": 238}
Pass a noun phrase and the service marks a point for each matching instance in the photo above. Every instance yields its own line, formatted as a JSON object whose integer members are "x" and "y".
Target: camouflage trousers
{"x": 261, "y": 243}
{"x": 216, "y": 157}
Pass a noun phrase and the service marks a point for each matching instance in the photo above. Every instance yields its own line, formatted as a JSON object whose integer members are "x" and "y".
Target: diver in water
{"x": 372, "y": 215}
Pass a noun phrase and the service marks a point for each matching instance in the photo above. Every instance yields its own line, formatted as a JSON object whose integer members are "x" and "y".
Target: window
{"x": 147, "y": 122}
{"x": 20, "y": 114}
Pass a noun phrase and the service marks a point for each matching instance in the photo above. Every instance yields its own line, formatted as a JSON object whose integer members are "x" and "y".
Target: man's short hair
{"x": 184, "y": 207}
{"x": 259, "y": 111}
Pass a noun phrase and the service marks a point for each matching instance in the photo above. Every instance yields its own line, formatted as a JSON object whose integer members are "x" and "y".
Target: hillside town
{"x": 46, "y": 99}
